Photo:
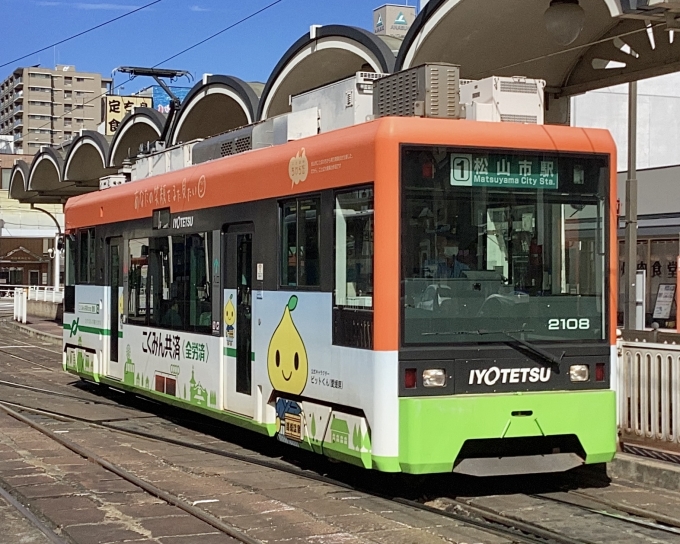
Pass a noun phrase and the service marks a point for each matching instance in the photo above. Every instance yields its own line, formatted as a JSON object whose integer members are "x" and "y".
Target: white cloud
{"x": 116, "y": 7}
{"x": 49, "y": 3}
{"x": 198, "y": 8}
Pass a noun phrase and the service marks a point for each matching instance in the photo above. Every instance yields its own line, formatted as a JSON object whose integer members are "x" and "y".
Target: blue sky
{"x": 249, "y": 51}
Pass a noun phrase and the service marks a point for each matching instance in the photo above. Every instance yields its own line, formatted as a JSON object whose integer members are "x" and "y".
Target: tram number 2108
{"x": 570, "y": 324}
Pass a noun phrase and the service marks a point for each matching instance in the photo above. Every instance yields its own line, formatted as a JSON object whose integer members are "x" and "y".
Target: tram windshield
{"x": 499, "y": 245}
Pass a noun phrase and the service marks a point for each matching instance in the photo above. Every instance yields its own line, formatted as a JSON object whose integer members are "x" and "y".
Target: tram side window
{"x": 86, "y": 262}
{"x": 178, "y": 282}
{"x": 300, "y": 265}
{"x": 354, "y": 249}
{"x": 138, "y": 272}
{"x": 70, "y": 268}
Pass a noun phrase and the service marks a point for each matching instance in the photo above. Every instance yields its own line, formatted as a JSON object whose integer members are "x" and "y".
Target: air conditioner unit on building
{"x": 504, "y": 99}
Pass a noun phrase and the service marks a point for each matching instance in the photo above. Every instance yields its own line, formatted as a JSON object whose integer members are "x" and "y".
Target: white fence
{"x": 23, "y": 294}
{"x": 648, "y": 388}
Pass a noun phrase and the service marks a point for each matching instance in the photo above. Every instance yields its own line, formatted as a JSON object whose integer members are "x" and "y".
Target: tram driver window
{"x": 300, "y": 243}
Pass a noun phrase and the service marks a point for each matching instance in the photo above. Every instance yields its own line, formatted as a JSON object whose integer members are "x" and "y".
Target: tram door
{"x": 238, "y": 327}
{"x": 114, "y": 366}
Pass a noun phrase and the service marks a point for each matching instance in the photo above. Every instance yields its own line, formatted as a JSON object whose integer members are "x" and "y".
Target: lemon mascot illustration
{"x": 287, "y": 366}
{"x": 121, "y": 307}
{"x": 230, "y": 319}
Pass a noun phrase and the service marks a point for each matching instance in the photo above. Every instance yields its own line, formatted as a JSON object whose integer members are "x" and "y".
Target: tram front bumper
{"x": 434, "y": 430}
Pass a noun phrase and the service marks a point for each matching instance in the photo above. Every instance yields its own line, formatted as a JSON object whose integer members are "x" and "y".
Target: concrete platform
{"x": 650, "y": 472}
{"x": 37, "y": 327}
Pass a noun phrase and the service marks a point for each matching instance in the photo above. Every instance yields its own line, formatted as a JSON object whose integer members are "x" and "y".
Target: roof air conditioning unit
{"x": 429, "y": 90}
{"x": 504, "y": 99}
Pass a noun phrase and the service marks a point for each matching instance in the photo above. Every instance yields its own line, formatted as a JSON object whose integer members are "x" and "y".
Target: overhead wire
{"x": 74, "y": 36}
{"x": 201, "y": 42}
{"x": 473, "y": 76}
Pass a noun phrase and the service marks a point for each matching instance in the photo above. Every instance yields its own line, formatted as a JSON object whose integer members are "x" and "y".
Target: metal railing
{"x": 22, "y": 294}
{"x": 648, "y": 388}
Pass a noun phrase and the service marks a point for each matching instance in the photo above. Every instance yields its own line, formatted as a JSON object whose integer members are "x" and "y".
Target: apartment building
{"x": 40, "y": 106}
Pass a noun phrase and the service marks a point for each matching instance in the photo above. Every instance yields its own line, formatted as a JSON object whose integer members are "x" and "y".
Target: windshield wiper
{"x": 546, "y": 356}
{"x": 552, "y": 361}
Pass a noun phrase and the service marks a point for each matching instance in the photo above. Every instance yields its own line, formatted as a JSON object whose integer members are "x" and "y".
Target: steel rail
{"x": 511, "y": 521}
{"x": 149, "y": 488}
{"x": 66, "y": 395}
{"x": 498, "y": 525}
{"x": 666, "y": 523}
{"x": 52, "y": 536}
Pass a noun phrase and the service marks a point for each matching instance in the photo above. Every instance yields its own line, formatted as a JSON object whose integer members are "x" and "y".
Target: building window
{"x": 5, "y": 178}
{"x": 300, "y": 243}
{"x": 68, "y": 94}
{"x": 16, "y": 276}
{"x": 68, "y": 121}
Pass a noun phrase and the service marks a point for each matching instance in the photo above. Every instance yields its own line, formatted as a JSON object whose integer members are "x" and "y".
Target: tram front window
{"x": 498, "y": 244}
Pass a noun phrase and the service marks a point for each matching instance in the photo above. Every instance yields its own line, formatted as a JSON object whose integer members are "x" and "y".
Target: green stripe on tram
{"x": 91, "y": 330}
{"x": 231, "y": 352}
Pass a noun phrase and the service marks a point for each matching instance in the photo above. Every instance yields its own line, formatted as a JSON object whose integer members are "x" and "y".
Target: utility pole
{"x": 631, "y": 212}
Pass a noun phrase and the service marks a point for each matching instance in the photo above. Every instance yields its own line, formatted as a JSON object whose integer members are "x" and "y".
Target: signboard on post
{"x": 664, "y": 301}
{"x": 116, "y": 107}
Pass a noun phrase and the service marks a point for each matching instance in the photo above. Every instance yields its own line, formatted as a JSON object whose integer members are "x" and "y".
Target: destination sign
{"x": 499, "y": 170}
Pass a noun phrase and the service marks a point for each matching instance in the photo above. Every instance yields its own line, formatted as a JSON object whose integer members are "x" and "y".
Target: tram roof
{"x": 335, "y": 159}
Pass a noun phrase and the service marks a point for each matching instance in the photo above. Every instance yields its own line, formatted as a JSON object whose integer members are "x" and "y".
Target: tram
{"x": 408, "y": 294}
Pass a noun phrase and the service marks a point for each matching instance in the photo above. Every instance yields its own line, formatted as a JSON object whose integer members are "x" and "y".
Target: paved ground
{"x": 88, "y": 504}
{"x": 16, "y": 529}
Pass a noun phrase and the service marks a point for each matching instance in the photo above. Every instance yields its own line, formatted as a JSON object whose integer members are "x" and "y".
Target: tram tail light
{"x": 579, "y": 373}
{"x": 410, "y": 378}
{"x": 599, "y": 372}
{"x": 434, "y": 377}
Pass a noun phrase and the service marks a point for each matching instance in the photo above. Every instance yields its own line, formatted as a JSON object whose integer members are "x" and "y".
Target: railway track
{"x": 514, "y": 532}
{"x": 487, "y": 519}
{"x": 149, "y": 488}
{"x": 48, "y": 532}
{"x": 492, "y": 521}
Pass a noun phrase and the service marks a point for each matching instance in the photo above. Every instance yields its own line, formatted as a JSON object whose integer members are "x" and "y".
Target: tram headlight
{"x": 579, "y": 373}
{"x": 434, "y": 377}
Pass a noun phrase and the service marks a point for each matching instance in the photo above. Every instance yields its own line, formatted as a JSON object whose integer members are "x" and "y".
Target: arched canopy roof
{"x": 18, "y": 180}
{"x": 85, "y": 160}
{"x": 44, "y": 176}
{"x": 326, "y": 54}
{"x": 487, "y": 37}
{"x": 215, "y": 105}
{"x": 138, "y": 127}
